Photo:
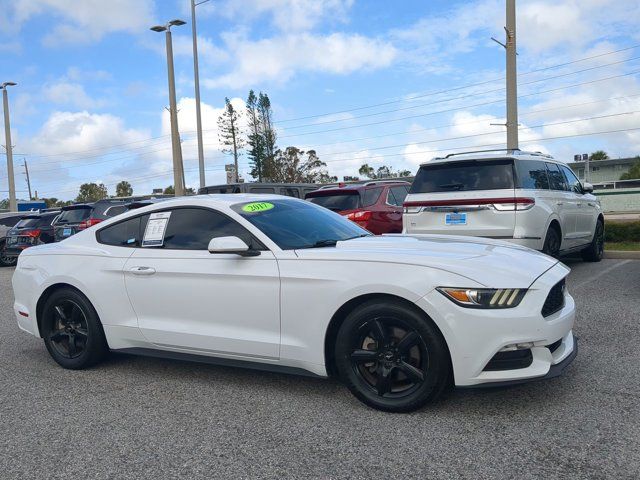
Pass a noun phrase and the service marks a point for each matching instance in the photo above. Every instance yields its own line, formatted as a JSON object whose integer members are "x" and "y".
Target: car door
{"x": 587, "y": 210}
{"x": 565, "y": 204}
{"x": 189, "y": 299}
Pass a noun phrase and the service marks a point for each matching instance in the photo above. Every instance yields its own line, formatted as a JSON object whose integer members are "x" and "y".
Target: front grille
{"x": 510, "y": 360}
{"x": 555, "y": 299}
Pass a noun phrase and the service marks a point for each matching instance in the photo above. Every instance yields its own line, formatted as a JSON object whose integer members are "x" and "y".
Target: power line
{"x": 413, "y": 97}
{"x": 475, "y": 94}
{"x": 400, "y": 99}
{"x": 465, "y": 107}
{"x": 522, "y": 114}
{"x": 540, "y": 139}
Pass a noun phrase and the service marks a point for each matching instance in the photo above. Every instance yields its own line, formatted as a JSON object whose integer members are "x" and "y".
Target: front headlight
{"x": 484, "y": 297}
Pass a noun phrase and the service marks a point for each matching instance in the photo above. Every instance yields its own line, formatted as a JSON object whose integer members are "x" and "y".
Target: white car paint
{"x": 575, "y": 211}
{"x": 275, "y": 308}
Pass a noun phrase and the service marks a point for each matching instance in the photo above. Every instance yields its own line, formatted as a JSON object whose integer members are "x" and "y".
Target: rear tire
{"x": 72, "y": 331}
{"x": 552, "y": 242}
{"x": 595, "y": 251}
{"x": 4, "y": 260}
{"x": 391, "y": 357}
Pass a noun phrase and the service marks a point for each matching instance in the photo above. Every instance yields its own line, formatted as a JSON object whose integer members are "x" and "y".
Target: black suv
{"x": 32, "y": 229}
{"x": 76, "y": 218}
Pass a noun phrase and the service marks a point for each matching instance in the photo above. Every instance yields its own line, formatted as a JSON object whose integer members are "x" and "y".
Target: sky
{"x": 359, "y": 81}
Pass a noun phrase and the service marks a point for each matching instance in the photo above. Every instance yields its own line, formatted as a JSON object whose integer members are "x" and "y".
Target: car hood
{"x": 492, "y": 263}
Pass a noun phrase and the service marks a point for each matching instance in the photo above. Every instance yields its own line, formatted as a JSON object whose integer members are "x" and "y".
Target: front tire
{"x": 391, "y": 357}
{"x": 595, "y": 251}
{"x": 72, "y": 331}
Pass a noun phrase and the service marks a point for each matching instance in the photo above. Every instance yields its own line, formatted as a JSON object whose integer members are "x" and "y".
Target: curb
{"x": 622, "y": 254}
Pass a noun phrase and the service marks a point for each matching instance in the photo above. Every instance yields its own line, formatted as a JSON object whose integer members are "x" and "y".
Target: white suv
{"x": 527, "y": 198}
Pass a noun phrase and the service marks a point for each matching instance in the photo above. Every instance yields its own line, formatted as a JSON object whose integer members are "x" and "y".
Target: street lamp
{"x": 7, "y": 133}
{"x": 178, "y": 175}
{"x": 196, "y": 76}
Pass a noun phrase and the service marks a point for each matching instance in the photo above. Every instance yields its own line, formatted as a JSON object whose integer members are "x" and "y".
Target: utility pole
{"x": 512, "y": 78}
{"x": 13, "y": 206}
{"x": 178, "y": 175}
{"x": 196, "y": 76}
{"x": 26, "y": 171}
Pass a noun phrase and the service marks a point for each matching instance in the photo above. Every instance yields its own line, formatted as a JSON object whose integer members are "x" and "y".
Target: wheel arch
{"x": 341, "y": 314}
{"x": 44, "y": 296}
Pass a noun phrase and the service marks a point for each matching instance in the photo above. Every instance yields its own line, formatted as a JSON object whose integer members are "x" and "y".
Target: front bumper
{"x": 555, "y": 370}
{"x": 475, "y": 336}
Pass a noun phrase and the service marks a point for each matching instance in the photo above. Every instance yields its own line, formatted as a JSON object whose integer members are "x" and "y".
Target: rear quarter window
{"x": 370, "y": 196}
{"x": 532, "y": 174}
{"x": 464, "y": 176}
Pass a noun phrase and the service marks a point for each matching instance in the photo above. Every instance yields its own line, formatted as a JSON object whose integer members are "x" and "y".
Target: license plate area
{"x": 455, "y": 219}
{"x": 12, "y": 240}
{"x": 66, "y": 232}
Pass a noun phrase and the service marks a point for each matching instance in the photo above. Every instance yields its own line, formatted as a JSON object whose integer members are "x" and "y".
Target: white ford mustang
{"x": 281, "y": 284}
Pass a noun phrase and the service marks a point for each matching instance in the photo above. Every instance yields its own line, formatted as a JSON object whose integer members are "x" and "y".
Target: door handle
{"x": 559, "y": 203}
{"x": 142, "y": 270}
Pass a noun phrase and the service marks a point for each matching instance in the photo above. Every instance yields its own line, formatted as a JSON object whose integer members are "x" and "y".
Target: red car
{"x": 375, "y": 205}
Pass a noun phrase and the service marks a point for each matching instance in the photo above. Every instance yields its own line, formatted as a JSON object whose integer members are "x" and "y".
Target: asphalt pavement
{"x": 135, "y": 417}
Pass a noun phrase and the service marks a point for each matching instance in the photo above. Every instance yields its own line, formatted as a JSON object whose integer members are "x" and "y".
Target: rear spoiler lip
{"x": 469, "y": 201}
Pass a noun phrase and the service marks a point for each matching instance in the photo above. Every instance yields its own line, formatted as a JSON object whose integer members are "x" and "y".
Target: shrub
{"x": 622, "y": 231}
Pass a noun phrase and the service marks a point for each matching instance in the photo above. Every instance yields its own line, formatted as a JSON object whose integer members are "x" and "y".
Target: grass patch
{"x": 625, "y": 246}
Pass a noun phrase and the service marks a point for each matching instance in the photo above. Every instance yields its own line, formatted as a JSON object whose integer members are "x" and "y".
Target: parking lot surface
{"x": 135, "y": 417}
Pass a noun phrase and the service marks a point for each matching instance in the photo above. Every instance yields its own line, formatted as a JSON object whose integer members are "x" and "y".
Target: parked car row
{"x": 526, "y": 198}
{"x": 22, "y": 230}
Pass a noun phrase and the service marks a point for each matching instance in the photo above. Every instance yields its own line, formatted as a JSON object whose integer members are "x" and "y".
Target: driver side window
{"x": 193, "y": 228}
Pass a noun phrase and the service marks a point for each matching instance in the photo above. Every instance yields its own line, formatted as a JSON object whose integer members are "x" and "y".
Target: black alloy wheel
{"x": 69, "y": 332}
{"x": 552, "y": 243}
{"x": 391, "y": 357}
{"x": 72, "y": 331}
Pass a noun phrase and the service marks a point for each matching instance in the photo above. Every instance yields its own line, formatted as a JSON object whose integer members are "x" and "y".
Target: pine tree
{"x": 254, "y": 137}
{"x": 268, "y": 135}
{"x": 230, "y": 133}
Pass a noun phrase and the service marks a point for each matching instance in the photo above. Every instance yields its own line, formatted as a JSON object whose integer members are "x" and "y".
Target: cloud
{"x": 70, "y": 94}
{"x": 287, "y": 15}
{"x": 83, "y": 21}
{"x": 280, "y": 58}
{"x": 65, "y": 132}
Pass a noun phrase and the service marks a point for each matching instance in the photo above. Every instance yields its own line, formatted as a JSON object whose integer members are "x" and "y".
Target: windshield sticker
{"x": 156, "y": 227}
{"x": 257, "y": 207}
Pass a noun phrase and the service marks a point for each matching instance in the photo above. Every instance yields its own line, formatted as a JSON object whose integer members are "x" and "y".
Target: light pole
{"x": 178, "y": 176}
{"x": 196, "y": 76}
{"x": 7, "y": 133}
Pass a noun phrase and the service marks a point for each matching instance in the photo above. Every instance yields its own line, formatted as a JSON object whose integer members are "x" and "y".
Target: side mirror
{"x": 587, "y": 187}
{"x": 231, "y": 245}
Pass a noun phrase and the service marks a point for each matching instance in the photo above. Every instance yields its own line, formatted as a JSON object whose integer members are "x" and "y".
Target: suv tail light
{"x": 89, "y": 222}
{"x": 500, "y": 204}
{"x": 35, "y": 233}
{"x": 362, "y": 216}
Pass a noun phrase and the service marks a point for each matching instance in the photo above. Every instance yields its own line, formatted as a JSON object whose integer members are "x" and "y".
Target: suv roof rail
{"x": 508, "y": 150}
{"x": 389, "y": 180}
{"x": 540, "y": 154}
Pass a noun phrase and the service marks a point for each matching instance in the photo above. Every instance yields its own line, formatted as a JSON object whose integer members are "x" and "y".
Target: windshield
{"x": 337, "y": 201}
{"x": 461, "y": 176}
{"x": 75, "y": 215}
{"x": 294, "y": 224}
